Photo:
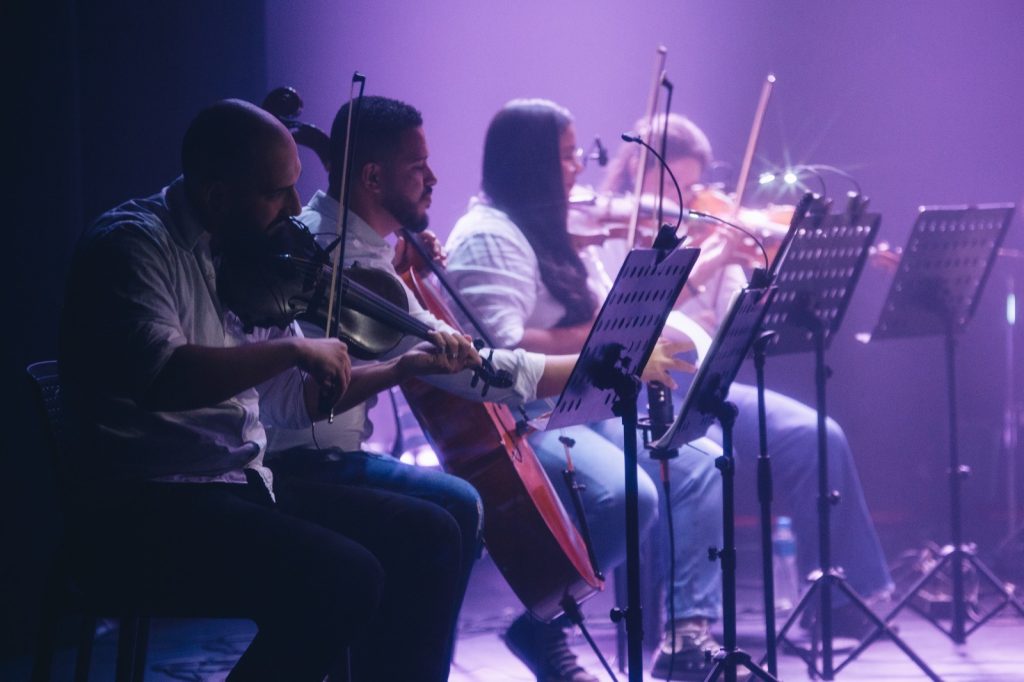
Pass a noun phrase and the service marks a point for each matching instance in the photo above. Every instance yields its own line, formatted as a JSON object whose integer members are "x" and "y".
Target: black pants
{"x": 327, "y": 566}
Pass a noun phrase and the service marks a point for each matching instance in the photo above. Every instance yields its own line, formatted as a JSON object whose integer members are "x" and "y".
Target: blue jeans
{"x": 382, "y": 472}
{"x": 792, "y": 430}
{"x": 696, "y": 504}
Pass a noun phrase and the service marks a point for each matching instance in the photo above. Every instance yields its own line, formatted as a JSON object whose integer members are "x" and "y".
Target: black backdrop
{"x": 102, "y": 93}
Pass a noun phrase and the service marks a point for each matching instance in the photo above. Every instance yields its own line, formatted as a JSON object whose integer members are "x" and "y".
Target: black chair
{"x": 62, "y": 595}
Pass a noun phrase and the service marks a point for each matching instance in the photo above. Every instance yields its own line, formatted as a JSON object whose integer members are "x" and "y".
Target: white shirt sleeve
{"x": 498, "y": 278}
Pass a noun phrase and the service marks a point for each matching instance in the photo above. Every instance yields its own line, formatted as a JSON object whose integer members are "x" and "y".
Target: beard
{"x": 406, "y": 212}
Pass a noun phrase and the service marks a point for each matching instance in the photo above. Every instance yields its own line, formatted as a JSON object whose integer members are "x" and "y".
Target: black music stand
{"x": 816, "y": 283}
{"x": 808, "y": 213}
{"x": 943, "y": 270}
{"x": 705, "y": 403}
{"x": 605, "y": 383}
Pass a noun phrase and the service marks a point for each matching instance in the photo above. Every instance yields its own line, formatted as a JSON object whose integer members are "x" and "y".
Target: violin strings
{"x": 366, "y": 301}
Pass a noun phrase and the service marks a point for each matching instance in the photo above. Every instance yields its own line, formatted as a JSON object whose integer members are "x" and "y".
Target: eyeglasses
{"x": 576, "y": 155}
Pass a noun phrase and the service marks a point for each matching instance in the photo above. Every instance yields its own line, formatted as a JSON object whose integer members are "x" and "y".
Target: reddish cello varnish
{"x": 527, "y": 531}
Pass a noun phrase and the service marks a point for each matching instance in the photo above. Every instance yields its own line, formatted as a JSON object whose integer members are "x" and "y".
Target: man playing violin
{"x": 791, "y": 426}
{"x": 391, "y": 187}
{"x": 174, "y": 509}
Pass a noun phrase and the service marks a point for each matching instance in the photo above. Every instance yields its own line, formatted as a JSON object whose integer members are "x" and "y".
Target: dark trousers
{"x": 385, "y": 473}
{"x": 326, "y": 567}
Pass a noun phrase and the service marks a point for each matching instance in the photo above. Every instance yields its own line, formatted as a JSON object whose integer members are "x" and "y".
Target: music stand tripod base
{"x": 816, "y": 283}
{"x": 937, "y": 288}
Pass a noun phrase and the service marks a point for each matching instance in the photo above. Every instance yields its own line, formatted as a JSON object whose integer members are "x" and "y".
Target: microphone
{"x": 598, "y": 152}
{"x": 636, "y": 139}
{"x": 660, "y": 411}
{"x": 602, "y": 152}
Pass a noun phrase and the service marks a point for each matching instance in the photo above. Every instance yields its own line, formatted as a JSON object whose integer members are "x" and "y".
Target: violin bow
{"x": 755, "y": 133}
{"x": 343, "y": 200}
{"x": 652, "y": 104}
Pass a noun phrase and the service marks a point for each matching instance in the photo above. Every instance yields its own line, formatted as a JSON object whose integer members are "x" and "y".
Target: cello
{"x": 526, "y": 529}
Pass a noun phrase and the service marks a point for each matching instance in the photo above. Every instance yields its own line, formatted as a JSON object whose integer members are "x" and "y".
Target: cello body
{"x": 527, "y": 530}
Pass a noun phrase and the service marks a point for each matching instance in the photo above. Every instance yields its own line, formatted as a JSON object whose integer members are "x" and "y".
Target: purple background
{"x": 921, "y": 101}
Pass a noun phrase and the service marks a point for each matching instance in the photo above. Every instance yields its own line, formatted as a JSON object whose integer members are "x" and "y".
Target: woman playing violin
{"x": 791, "y": 425}
{"x": 513, "y": 259}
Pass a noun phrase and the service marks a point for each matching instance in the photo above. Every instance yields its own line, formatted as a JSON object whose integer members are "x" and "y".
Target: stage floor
{"x": 205, "y": 650}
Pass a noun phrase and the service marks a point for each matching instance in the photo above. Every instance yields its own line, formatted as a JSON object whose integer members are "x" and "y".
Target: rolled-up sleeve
{"x": 135, "y": 326}
{"x": 526, "y": 368}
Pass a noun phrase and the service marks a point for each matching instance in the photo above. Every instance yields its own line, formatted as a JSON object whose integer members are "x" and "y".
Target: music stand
{"x": 816, "y": 284}
{"x": 937, "y": 288}
{"x": 808, "y": 213}
{"x": 704, "y": 404}
{"x": 605, "y": 383}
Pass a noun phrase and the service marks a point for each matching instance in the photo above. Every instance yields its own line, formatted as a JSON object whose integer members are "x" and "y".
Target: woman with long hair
{"x": 512, "y": 258}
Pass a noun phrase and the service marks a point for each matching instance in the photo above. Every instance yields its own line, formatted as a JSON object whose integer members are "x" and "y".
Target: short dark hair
{"x": 684, "y": 141}
{"x": 221, "y": 140}
{"x": 377, "y": 127}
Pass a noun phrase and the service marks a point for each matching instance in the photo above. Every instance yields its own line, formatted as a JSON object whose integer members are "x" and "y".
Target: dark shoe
{"x": 691, "y": 659}
{"x": 543, "y": 648}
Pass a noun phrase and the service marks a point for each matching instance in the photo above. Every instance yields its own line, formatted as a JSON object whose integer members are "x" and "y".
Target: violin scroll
{"x": 286, "y": 105}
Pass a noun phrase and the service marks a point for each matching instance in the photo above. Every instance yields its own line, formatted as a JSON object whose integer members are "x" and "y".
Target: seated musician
{"x": 391, "y": 188}
{"x": 174, "y": 510}
{"x": 791, "y": 426}
{"x": 512, "y": 258}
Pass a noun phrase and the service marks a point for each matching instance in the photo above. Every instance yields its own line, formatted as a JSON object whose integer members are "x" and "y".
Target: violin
{"x": 284, "y": 274}
{"x": 596, "y": 218}
{"x": 769, "y": 224}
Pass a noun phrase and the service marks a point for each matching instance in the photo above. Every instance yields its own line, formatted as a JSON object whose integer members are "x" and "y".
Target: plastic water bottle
{"x": 787, "y": 580}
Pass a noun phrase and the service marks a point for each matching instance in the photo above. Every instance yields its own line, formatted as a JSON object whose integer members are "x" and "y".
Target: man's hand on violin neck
{"x": 445, "y": 354}
{"x": 408, "y": 258}
{"x": 327, "y": 362}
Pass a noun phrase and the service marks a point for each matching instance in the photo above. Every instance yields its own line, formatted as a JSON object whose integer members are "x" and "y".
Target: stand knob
{"x": 834, "y": 497}
{"x": 963, "y": 472}
{"x": 617, "y": 615}
{"x": 713, "y": 553}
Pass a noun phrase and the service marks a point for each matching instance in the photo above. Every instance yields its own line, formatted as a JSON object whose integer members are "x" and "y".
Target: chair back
{"x": 47, "y": 392}
{"x": 46, "y": 382}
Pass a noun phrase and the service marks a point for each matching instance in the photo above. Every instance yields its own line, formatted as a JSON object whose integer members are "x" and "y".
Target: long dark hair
{"x": 522, "y": 176}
